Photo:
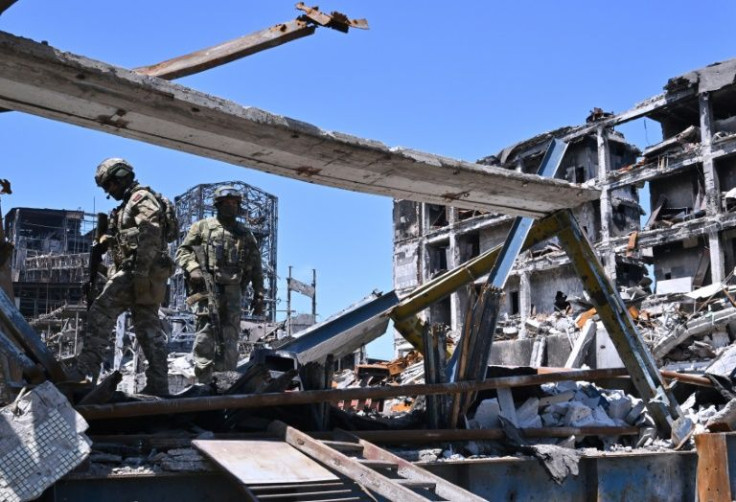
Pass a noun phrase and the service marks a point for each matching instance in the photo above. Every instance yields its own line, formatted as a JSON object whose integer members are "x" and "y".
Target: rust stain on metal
{"x": 308, "y": 171}
{"x": 449, "y": 196}
{"x": 335, "y": 20}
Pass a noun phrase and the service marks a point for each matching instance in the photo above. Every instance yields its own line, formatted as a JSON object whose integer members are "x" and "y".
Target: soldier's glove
{"x": 104, "y": 242}
{"x": 257, "y": 305}
{"x": 196, "y": 280}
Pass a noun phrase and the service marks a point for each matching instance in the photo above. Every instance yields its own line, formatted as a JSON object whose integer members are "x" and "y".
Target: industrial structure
{"x": 50, "y": 261}
{"x": 50, "y": 257}
{"x": 259, "y": 212}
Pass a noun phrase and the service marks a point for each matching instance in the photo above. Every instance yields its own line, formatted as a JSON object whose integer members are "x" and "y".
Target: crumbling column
{"x": 604, "y": 163}
{"x": 453, "y": 262}
{"x": 525, "y": 301}
{"x": 712, "y": 187}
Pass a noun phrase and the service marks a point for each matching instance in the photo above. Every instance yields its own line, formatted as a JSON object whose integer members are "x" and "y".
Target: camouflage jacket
{"x": 135, "y": 228}
{"x": 231, "y": 253}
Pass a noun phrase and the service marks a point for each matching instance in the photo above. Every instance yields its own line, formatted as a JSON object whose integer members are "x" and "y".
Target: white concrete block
{"x": 486, "y": 415}
{"x": 619, "y": 404}
{"x": 528, "y": 414}
{"x": 637, "y": 407}
{"x": 577, "y": 415}
{"x": 606, "y": 355}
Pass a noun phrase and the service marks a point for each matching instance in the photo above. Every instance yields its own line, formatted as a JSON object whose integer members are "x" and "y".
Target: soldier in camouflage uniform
{"x": 137, "y": 278}
{"x": 233, "y": 260}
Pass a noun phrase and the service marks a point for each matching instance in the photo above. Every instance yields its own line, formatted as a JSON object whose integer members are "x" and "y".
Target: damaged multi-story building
{"x": 687, "y": 242}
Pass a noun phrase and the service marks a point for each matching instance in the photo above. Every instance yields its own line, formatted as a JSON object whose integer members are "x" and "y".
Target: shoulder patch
{"x": 136, "y": 197}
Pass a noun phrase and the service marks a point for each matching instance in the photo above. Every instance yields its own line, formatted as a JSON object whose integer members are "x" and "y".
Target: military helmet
{"x": 225, "y": 191}
{"x": 112, "y": 168}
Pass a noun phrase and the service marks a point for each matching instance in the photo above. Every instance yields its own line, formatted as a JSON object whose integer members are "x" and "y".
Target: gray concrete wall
{"x": 680, "y": 189}
{"x": 406, "y": 263}
{"x": 675, "y": 260}
{"x": 545, "y": 284}
{"x": 726, "y": 169}
{"x": 490, "y": 237}
{"x": 519, "y": 352}
{"x": 406, "y": 220}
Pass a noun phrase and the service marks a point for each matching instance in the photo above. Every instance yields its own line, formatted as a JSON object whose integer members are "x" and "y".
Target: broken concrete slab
{"x": 486, "y": 415}
{"x": 582, "y": 343}
{"x": 698, "y": 326}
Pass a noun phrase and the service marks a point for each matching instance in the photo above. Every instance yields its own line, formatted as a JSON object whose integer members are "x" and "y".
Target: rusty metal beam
{"x": 442, "y": 435}
{"x": 660, "y": 401}
{"x": 470, "y": 359}
{"x": 404, "y": 315}
{"x": 335, "y": 20}
{"x": 253, "y": 43}
{"x": 347, "y": 466}
{"x": 194, "y": 404}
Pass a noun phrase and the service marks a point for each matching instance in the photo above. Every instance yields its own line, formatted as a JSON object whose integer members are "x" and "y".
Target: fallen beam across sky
{"x": 38, "y": 79}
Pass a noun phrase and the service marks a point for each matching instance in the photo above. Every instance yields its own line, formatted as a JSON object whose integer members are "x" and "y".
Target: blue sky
{"x": 461, "y": 79}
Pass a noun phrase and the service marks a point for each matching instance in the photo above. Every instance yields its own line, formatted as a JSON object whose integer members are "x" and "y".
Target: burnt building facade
{"x": 50, "y": 257}
{"x": 689, "y": 176}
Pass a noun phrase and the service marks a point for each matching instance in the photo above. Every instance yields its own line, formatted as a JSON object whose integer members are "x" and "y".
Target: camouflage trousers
{"x": 210, "y": 352}
{"x": 117, "y": 297}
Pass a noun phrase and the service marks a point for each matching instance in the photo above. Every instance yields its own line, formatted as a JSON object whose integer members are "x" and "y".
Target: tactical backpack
{"x": 170, "y": 230}
{"x": 171, "y": 224}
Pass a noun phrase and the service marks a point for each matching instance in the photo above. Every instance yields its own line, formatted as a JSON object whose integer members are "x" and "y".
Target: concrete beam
{"x": 686, "y": 230}
{"x": 38, "y": 79}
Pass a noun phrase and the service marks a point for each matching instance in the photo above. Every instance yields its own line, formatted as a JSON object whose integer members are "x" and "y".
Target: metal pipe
{"x": 442, "y": 435}
{"x": 195, "y": 404}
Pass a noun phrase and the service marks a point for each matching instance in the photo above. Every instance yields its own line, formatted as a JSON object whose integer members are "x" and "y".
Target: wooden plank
{"x": 343, "y": 464}
{"x": 211, "y": 57}
{"x": 712, "y": 477}
{"x": 44, "y": 81}
{"x": 263, "y": 462}
{"x": 414, "y": 474}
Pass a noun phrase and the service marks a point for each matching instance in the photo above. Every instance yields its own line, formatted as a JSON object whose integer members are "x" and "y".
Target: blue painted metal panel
{"x": 323, "y": 332}
{"x": 661, "y": 476}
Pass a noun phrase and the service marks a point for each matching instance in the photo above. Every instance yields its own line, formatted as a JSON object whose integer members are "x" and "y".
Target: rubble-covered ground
{"x": 691, "y": 333}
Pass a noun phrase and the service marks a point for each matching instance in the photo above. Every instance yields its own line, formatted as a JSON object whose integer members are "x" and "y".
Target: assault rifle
{"x": 210, "y": 294}
{"x": 95, "y": 258}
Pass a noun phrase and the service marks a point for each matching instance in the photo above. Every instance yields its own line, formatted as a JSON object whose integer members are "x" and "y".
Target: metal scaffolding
{"x": 259, "y": 213}
{"x": 50, "y": 257}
